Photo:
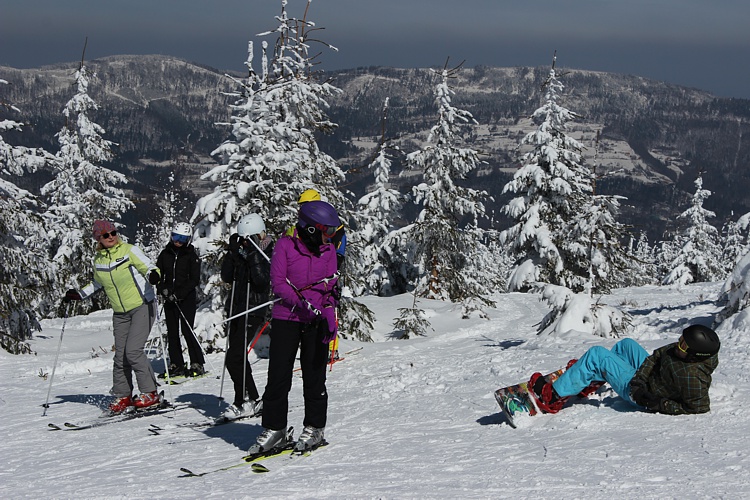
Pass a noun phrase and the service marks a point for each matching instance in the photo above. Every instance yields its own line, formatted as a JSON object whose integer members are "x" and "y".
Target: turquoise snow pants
{"x": 616, "y": 367}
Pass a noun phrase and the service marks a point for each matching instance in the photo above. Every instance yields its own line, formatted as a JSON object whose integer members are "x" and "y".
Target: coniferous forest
{"x": 480, "y": 179}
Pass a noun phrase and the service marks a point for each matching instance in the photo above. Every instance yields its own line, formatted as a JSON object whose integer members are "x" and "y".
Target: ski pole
{"x": 244, "y": 346}
{"x": 261, "y": 251}
{"x": 252, "y": 309}
{"x": 226, "y": 343}
{"x": 257, "y": 336}
{"x": 163, "y": 350}
{"x": 330, "y": 361}
{"x": 333, "y": 343}
{"x": 195, "y": 336}
{"x": 298, "y": 290}
{"x": 311, "y": 307}
{"x": 54, "y": 366}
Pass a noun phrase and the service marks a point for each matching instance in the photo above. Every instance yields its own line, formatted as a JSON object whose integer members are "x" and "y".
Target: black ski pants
{"x": 286, "y": 337}
{"x": 175, "y": 321}
{"x": 237, "y": 364}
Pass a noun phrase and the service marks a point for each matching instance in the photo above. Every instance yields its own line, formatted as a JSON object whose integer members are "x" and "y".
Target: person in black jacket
{"x": 180, "y": 269}
{"x": 249, "y": 272}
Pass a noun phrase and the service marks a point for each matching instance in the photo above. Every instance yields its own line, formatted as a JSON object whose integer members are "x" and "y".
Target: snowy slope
{"x": 407, "y": 419}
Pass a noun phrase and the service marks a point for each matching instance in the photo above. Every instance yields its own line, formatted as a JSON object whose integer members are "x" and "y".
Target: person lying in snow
{"x": 673, "y": 380}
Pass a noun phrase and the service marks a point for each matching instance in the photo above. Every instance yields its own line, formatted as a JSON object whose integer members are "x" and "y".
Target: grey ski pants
{"x": 131, "y": 330}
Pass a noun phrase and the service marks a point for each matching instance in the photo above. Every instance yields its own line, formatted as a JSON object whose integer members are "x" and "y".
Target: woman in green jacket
{"x": 126, "y": 275}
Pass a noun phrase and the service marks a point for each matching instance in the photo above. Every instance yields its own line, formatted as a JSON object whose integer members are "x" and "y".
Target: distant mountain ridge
{"x": 654, "y": 139}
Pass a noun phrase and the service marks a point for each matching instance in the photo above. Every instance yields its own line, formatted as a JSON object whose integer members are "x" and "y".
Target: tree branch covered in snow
{"x": 581, "y": 313}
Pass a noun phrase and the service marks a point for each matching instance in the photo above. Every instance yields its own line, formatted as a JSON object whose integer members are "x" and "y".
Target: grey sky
{"x": 697, "y": 43}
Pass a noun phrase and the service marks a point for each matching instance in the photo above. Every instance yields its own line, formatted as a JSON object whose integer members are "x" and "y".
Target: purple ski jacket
{"x": 293, "y": 261}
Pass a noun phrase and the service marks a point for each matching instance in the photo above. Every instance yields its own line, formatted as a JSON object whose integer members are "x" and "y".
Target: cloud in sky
{"x": 690, "y": 42}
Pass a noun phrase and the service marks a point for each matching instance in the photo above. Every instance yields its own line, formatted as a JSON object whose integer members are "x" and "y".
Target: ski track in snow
{"x": 407, "y": 419}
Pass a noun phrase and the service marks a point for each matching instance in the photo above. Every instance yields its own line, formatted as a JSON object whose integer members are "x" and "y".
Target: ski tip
{"x": 188, "y": 472}
{"x": 259, "y": 468}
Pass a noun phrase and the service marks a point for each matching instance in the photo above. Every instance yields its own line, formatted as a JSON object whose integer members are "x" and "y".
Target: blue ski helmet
{"x": 318, "y": 213}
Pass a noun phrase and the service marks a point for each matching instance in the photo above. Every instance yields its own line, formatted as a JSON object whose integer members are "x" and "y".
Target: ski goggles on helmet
{"x": 329, "y": 231}
{"x": 682, "y": 345}
{"x": 180, "y": 238}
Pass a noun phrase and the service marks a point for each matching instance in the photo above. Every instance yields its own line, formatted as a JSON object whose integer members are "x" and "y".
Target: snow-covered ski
{"x": 181, "y": 379}
{"x": 261, "y": 468}
{"x": 107, "y": 419}
{"x": 248, "y": 459}
{"x": 212, "y": 422}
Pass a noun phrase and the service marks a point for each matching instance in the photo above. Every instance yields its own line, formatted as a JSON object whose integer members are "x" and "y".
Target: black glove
{"x": 153, "y": 277}
{"x": 234, "y": 242}
{"x": 642, "y": 397}
{"x": 71, "y": 294}
{"x": 168, "y": 295}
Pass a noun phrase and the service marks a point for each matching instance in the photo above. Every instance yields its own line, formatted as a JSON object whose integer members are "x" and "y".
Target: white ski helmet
{"x": 182, "y": 229}
{"x": 250, "y": 224}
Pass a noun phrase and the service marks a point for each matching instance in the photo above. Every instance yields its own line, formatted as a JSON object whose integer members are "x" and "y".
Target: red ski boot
{"x": 146, "y": 400}
{"x": 121, "y": 405}
{"x": 546, "y": 398}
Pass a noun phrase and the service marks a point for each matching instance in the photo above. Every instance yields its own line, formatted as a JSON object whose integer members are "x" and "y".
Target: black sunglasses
{"x": 107, "y": 235}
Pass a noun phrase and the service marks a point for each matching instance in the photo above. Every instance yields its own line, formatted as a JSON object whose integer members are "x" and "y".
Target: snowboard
{"x": 516, "y": 400}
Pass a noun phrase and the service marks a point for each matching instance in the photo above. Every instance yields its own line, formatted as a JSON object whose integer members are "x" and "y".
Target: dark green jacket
{"x": 682, "y": 385}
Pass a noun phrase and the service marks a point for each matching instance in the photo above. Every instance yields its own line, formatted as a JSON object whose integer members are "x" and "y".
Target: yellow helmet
{"x": 309, "y": 195}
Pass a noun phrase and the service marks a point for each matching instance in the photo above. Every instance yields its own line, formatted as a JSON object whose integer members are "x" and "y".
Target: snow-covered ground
{"x": 407, "y": 419}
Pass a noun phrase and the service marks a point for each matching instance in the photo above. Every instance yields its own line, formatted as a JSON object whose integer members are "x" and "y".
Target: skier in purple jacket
{"x": 303, "y": 276}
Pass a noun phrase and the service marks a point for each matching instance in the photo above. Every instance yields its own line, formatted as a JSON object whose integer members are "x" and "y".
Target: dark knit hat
{"x": 101, "y": 227}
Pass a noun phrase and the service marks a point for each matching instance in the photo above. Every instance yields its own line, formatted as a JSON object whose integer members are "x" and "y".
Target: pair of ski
{"x": 181, "y": 379}
{"x": 213, "y": 422}
{"x": 108, "y": 418}
{"x": 254, "y": 459}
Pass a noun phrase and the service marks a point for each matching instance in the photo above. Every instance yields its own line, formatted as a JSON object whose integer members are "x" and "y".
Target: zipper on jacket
{"x": 114, "y": 285}
{"x": 174, "y": 271}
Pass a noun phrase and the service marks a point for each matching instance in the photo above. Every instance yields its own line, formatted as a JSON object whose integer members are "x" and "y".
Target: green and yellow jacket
{"x": 121, "y": 271}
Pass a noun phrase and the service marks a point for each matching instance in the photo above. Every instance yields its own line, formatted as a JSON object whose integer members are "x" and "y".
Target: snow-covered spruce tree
{"x": 445, "y": 234}
{"x": 665, "y": 252}
{"x": 411, "y": 322}
{"x": 82, "y": 191}
{"x": 26, "y": 273}
{"x": 595, "y": 242}
{"x": 596, "y": 239}
{"x": 273, "y": 155}
{"x": 736, "y": 294}
{"x": 155, "y": 233}
{"x": 552, "y": 187}
{"x": 734, "y": 243}
{"x": 643, "y": 268}
{"x": 581, "y": 313}
{"x": 152, "y": 235}
{"x": 375, "y": 215}
{"x": 699, "y": 256}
